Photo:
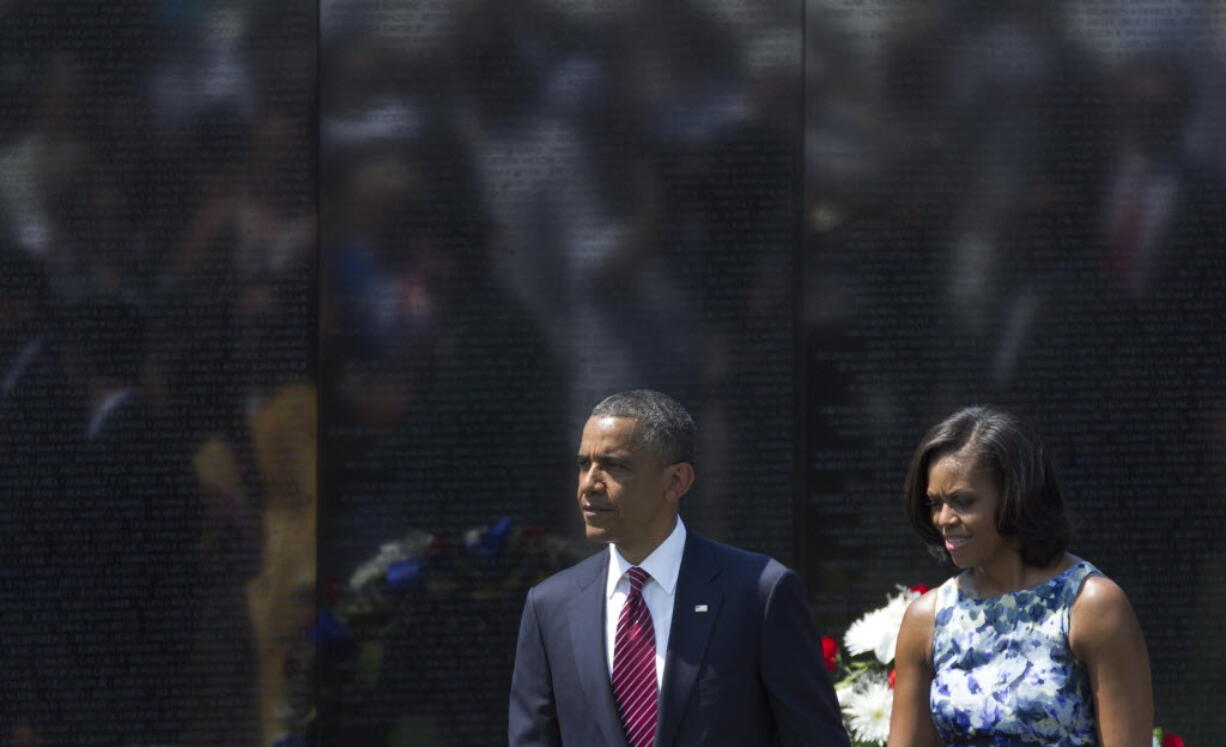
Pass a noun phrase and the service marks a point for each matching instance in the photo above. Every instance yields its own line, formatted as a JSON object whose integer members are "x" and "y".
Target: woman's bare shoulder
{"x": 915, "y": 633}
{"x": 1101, "y": 615}
{"x": 922, "y": 610}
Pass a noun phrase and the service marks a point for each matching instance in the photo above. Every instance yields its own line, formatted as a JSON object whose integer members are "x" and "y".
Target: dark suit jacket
{"x": 745, "y": 672}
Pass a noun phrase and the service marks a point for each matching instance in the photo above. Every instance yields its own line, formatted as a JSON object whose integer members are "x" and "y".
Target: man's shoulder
{"x": 567, "y": 582}
{"x": 739, "y": 563}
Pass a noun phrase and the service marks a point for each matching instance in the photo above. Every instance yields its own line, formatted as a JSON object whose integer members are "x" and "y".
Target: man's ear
{"x": 680, "y": 479}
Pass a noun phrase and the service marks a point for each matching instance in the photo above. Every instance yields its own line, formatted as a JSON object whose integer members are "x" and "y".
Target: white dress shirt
{"x": 659, "y": 592}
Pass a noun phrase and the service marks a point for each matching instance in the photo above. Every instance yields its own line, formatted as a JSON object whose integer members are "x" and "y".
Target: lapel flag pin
{"x": 700, "y": 608}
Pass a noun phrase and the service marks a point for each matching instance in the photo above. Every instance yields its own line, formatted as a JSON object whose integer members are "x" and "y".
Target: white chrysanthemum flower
{"x": 877, "y": 631}
{"x": 867, "y": 708}
{"x": 842, "y": 691}
{"x": 864, "y": 634}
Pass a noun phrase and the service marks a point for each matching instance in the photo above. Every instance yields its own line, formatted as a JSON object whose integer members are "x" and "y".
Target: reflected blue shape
{"x": 490, "y": 543}
{"x": 330, "y": 634}
{"x": 404, "y": 575}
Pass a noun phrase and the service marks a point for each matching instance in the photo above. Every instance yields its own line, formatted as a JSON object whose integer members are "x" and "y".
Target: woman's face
{"x": 963, "y": 502}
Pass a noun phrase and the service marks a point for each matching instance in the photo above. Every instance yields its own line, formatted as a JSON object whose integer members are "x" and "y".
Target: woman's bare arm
{"x": 910, "y": 719}
{"x": 1105, "y": 636}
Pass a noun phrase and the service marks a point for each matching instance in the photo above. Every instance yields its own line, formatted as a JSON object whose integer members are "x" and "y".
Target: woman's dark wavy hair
{"x": 1031, "y": 508}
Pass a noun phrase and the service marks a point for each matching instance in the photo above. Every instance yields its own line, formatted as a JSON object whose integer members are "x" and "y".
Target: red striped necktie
{"x": 634, "y": 665}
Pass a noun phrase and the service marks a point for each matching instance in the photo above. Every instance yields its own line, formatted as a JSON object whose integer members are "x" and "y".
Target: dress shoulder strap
{"x": 1073, "y": 579}
{"x": 947, "y": 600}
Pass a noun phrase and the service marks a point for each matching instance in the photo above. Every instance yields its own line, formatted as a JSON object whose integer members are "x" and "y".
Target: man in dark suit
{"x": 668, "y": 638}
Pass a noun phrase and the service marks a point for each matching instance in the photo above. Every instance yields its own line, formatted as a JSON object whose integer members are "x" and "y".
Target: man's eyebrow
{"x": 604, "y": 458}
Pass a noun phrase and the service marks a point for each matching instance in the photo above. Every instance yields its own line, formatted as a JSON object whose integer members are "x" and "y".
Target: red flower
{"x": 1170, "y": 740}
{"x": 893, "y": 675}
{"x": 439, "y": 542}
{"x": 919, "y": 589}
{"x": 830, "y": 652}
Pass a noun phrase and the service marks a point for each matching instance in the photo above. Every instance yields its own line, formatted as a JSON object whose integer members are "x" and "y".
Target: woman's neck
{"x": 1008, "y": 573}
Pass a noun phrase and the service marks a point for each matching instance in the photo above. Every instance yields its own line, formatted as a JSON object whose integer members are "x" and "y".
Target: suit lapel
{"x": 587, "y": 632}
{"x": 695, "y": 609}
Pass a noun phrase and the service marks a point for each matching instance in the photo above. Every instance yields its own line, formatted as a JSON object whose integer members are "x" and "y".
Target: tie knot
{"x": 637, "y": 577}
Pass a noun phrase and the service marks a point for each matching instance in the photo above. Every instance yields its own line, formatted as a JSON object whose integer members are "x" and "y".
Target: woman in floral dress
{"x": 1028, "y": 645}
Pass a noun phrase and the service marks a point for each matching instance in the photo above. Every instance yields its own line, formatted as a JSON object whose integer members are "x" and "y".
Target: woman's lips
{"x": 956, "y": 543}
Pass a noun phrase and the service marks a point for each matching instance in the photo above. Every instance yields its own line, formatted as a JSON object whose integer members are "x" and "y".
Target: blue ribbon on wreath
{"x": 490, "y": 543}
{"x": 404, "y": 575}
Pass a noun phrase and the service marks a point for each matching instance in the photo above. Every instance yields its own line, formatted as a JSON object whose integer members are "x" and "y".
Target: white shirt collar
{"x": 663, "y": 564}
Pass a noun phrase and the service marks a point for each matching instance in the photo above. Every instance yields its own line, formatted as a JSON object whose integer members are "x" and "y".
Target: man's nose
{"x": 590, "y": 482}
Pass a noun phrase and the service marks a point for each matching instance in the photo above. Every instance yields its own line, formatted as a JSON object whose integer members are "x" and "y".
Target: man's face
{"x": 627, "y": 495}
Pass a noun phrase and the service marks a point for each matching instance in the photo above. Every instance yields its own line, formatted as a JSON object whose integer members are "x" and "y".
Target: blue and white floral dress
{"x": 1004, "y": 673}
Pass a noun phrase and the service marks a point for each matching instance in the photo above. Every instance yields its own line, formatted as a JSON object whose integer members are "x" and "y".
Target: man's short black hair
{"x": 662, "y": 425}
